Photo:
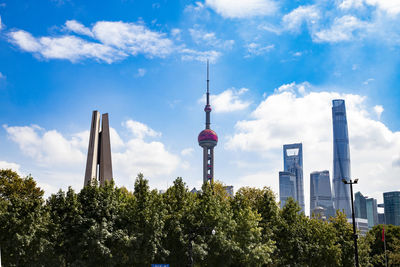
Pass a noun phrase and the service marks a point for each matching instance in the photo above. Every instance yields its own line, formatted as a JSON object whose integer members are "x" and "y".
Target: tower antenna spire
{"x": 208, "y": 84}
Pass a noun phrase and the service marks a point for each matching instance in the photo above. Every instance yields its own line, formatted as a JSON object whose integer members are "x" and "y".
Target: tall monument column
{"x": 208, "y": 139}
{"x": 99, "y": 151}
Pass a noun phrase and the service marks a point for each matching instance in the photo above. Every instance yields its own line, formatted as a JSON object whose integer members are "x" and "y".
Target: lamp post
{"x": 350, "y": 182}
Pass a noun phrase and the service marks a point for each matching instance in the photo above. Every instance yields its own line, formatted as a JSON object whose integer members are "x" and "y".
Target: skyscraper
{"x": 208, "y": 139}
{"x": 341, "y": 157}
{"x": 360, "y": 206}
{"x": 99, "y": 151}
{"x": 287, "y": 187}
{"x": 392, "y": 207}
{"x": 321, "y": 192}
{"x": 372, "y": 212}
{"x": 293, "y": 163}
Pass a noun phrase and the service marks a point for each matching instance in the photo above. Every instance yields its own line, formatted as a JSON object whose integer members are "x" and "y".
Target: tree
{"x": 344, "y": 234}
{"x": 179, "y": 223}
{"x": 376, "y": 244}
{"x": 21, "y": 220}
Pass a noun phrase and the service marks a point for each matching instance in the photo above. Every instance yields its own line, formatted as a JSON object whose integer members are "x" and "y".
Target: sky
{"x": 275, "y": 67}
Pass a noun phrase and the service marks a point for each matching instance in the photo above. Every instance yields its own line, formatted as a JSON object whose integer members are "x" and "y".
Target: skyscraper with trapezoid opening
{"x": 293, "y": 163}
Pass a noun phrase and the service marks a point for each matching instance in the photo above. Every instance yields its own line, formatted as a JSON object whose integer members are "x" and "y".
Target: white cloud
{"x": 366, "y": 82}
{"x": 254, "y": 49}
{"x": 140, "y": 130}
{"x": 65, "y": 47}
{"x": 136, "y": 155}
{"x": 202, "y": 37}
{"x": 176, "y": 33}
{"x": 270, "y": 28}
{"x": 243, "y": 9}
{"x": 187, "y": 151}
{"x": 390, "y": 6}
{"x": 10, "y": 165}
{"x": 140, "y": 72}
{"x": 293, "y": 88}
{"x": 2, "y": 76}
{"x": 112, "y": 41}
{"x": 45, "y": 147}
{"x": 347, "y": 4}
{"x": 132, "y": 38}
{"x": 203, "y": 56}
{"x": 295, "y": 19}
{"x": 25, "y": 41}
{"x": 196, "y": 7}
{"x": 77, "y": 27}
{"x": 378, "y": 110}
{"x": 286, "y": 117}
{"x": 342, "y": 29}
{"x": 1, "y": 25}
{"x": 228, "y": 101}
{"x": 150, "y": 158}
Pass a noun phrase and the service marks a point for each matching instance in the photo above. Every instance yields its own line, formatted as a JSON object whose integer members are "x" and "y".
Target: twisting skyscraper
{"x": 293, "y": 163}
{"x": 341, "y": 157}
{"x": 208, "y": 139}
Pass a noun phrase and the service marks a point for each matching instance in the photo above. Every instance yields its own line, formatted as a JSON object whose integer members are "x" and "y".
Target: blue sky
{"x": 275, "y": 67}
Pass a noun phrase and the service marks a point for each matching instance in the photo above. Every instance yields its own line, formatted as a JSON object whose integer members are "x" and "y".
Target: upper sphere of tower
{"x": 207, "y": 108}
{"x": 208, "y": 138}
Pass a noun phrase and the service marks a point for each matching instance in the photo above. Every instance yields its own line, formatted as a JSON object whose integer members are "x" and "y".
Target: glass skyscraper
{"x": 372, "y": 212}
{"x": 392, "y": 207}
{"x": 320, "y": 193}
{"x": 293, "y": 163}
{"x": 366, "y": 208}
{"x": 341, "y": 157}
{"x": 360, "y": 206}
{"x": 287, "y": 187}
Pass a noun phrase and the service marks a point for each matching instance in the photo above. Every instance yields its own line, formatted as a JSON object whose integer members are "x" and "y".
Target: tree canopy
{"x": 110, "y": 226}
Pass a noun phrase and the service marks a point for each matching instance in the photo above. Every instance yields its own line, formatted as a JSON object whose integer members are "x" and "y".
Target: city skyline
{"x": 273, "y": 78}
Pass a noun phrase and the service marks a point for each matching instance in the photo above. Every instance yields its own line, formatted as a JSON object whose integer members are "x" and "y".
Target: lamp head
{"x": 356, "y": 180}
{"x": 344, "y": 181}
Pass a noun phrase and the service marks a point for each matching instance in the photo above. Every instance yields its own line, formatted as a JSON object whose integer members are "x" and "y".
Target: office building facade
{"x": 293, "y": 163}
{"x": 287, "y": 187}
{"x": 392, "y": 207}
{"x": 341, "y": 157}
{"x": 321, "y": 193}
{"x": 372, "y": 212}
{"x": 360, "y": 206}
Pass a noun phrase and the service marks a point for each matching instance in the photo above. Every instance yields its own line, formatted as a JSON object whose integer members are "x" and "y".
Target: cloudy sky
{"x": 275, "y": 68}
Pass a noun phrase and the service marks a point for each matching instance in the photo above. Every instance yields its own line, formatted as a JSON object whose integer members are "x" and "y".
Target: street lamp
{"x": 350, "y": 182}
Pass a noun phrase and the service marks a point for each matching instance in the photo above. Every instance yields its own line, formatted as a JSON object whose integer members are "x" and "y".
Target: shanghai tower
{"x": 341, "y": 157}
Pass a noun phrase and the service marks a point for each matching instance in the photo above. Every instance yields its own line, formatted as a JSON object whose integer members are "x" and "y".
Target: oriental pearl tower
{"x": 208, "y": 139}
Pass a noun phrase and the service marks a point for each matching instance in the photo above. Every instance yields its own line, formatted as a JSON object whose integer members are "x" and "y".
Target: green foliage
{"x": 21, "y": 219}
{"x": 376, "y": 244}
{"x": 110, "y": 226}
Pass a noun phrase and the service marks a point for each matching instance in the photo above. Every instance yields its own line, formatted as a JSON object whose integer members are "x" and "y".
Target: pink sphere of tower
{"x": 208, "y": 138}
